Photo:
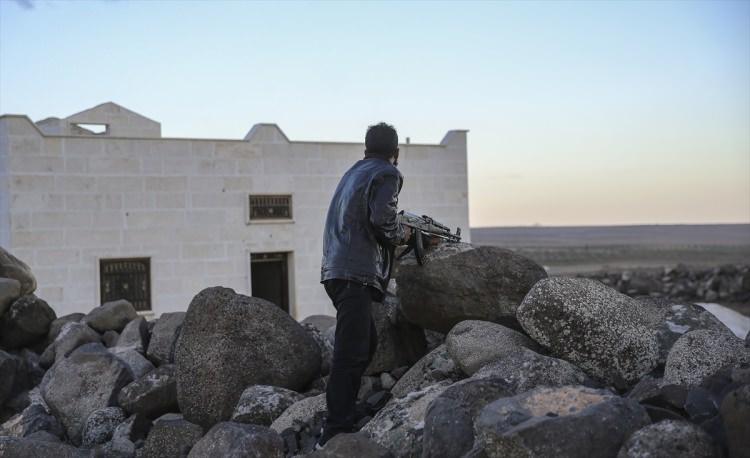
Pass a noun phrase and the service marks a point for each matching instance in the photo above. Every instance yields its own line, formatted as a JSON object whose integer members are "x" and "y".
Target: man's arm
{"x": 383, "y": 203}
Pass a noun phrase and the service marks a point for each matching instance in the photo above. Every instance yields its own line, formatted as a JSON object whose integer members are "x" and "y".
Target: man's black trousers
{"x": 356, "y": 340}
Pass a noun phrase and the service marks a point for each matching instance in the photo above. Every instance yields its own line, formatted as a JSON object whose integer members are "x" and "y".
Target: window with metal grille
{"x": 128, "y": 279}
{"x": 263, "y": 207}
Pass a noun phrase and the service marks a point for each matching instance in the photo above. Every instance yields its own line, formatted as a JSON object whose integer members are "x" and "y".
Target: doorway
{"x": 269, "y": 278}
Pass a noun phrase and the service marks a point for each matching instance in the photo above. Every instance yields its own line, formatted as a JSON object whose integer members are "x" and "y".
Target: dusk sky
{"x": 579, "y": 113}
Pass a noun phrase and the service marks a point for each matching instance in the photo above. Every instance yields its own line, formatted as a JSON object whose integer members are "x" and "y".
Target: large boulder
{"x": 111, "y": 316}
{"x": 569, "y": 421}
{"x": 152, "y": 395}
{"x": 134, "y": 336}
{"x": 473, "y": 344}
{"x": 449, "y": 420}
{"x": 436, "y": 366}
{"x": 229, "y": 342}
{"x": 399, "y": 426}
{"x": 164, "y": 337}
{"x": 400, "y": 343}
{"x": 10, "y": 290}
{"x": 607, "y": 334}
{"x": 25, "y": 322}
{"x": 12, "y": 267}
{"x": 352, "y": 445}
{"x": 461, "y": 282}
{"x": 304, "y": 411}
{"x": 525, "y": 370}
{"x": 100, "y": 425}
{"x": 171, "y": 436}
{"x": 87, "y": 380}
{"x": 667, "y": 439}
{"x": 238, "y": 440}
{"x": 71, "y": 336}
{"x": 56, "y": 326}
{"x": 699, "y": 354}
{"x": 735, "y": 416}
{"x": 262, "y": 404}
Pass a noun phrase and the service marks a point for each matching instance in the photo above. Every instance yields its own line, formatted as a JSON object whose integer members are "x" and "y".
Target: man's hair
{"x": 381, "y": 140}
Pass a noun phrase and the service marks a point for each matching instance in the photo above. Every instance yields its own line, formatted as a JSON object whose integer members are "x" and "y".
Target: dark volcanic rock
{"x": 325, "y": 346}
{"x": 137, "y": 363}
{"x": 677, "y": 319}
{"x": 434, "y": 367}
{"x": 111, "y": 316}
{"x": 34, "y": 418}
{"x": 12, "y": 267}
{"x": 526, "y": 370}
{"x": 171, "y": 436}
{"x": 307, "y": 410}
{"x": 473, "y": 344}
{"x": 239, "y": 440}
{"x": 460, "y": 282}
{"x": 101, "y": 424}
{"x": 109, "y": 338}
{"x": 449, "y": 420}
{"x": 135, "y": 428}
{"x": 699, "y": 354}
{"x": 26, "y": 322}
{"x": 668, "y": 439}
{"x": 164, "y": 337}
{"x": 320, "y": 322}
{"x": 352, "y": 445}
{"x": 262, "y": 404}
{"x": 220, "y": 325}
{"x": 605, "y": 333}
{"x": 135, "y": 336}
{"x": 152, "y": 395}
{"x": 399, "y": 425}
{"x": 735, "y": 415}
{"x": 10, "y": 290}
{"x": 87, "y": 380}
{"x": 71, "y": 336}
{"x": 56, "y": 326}
{"x": 400, "y": 343}
{"x": 8, "y": 369}
{"x": 16, "y": 447}
{"x": 569, "y": 421}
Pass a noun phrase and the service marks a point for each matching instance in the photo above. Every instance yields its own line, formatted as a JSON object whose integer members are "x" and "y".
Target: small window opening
{"x": 90, "y": 129}
{"x": 265, "y": 207}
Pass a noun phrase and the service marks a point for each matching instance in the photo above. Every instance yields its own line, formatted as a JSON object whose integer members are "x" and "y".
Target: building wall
{"x": 183, "y": 203}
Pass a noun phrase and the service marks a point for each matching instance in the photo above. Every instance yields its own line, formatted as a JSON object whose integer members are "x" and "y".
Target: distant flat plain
{"x": 581, "y": 249}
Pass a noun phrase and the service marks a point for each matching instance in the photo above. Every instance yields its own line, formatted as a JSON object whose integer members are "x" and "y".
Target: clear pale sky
{"x": 579, "y": 113}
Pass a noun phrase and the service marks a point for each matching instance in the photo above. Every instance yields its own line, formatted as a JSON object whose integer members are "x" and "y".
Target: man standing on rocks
{"x": 359, "y": 241}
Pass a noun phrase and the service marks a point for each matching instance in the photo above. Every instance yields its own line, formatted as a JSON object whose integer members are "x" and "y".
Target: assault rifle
{"x": 424, "y": 226}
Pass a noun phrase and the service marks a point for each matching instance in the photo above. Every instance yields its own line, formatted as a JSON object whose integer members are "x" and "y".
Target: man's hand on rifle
{"x": 408, "y": 232}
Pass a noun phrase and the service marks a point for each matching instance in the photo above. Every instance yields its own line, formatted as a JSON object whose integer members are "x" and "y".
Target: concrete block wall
{"x": 72, "y": 201}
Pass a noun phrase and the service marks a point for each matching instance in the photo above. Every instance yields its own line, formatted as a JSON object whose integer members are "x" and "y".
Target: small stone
{"x": 111, "y": 316}
{"x": 101, "y": 424}
{"x": 262, "y": 404}
{"x": 667, "y": 439}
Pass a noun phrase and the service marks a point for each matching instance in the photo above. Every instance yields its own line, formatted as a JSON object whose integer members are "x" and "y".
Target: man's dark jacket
{"x": 361, "y": 230}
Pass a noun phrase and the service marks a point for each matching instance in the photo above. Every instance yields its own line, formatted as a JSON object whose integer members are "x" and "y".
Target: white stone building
{"x": 100, "y": 206}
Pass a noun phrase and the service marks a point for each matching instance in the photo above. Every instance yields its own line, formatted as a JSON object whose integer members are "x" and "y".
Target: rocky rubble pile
{"x": 479, "y": 355}
{"x": 725, "y": 284}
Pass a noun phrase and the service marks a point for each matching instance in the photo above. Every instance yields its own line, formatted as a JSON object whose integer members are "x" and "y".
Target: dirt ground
{"x": 577, "y": 250}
